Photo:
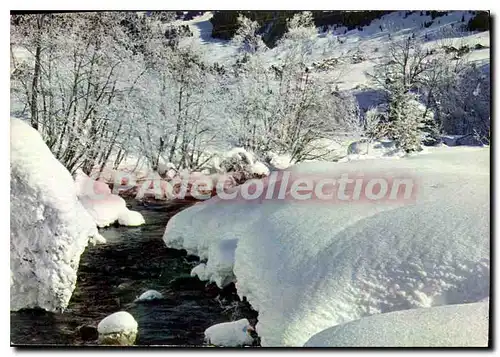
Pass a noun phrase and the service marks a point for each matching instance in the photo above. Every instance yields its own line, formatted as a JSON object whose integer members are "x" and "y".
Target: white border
{"x": 194, "y": 5}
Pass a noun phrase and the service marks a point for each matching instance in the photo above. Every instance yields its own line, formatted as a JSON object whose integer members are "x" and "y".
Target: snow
{"x": 463, "y": 325}
{"x": 307, "y": 266}
{"x": 219, "y": 268}
{"x": 279, "y": 162}
{"x": 377, "y": 149}
{"x": 130, "y": 218}
{"x": 120, "y": 321}
{"x": 49, "y": 227}
{"x": 229, "y": 334}
{"x": 240, "y": 161}
{"x": 150, "y": 295}
{"x": 104, "y": 207}
{"x": 258, "y": 168}
{"x": 370, "y": 42}
{"x": 105, "y": 210}
{"x": 85, "y": 186}
{"x": 97, "y": 239}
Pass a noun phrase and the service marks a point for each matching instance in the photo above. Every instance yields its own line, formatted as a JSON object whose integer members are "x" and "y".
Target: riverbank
{"x": 112, "y": 275}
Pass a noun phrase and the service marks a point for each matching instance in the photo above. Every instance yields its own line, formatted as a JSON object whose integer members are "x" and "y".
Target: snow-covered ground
{"x": 49, "y": 228}
{"x": 309, "y": 266}
{"x": 462, "y": 325}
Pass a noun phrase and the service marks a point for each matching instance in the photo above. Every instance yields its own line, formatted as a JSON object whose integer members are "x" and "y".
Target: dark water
{"x": 112, "y": 275}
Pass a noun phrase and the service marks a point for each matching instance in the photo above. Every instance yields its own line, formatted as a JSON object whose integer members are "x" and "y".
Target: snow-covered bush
{"x": 119, "y": 328}
{"x": 286, "y": 106}
{"x": 241, "y": 162}
{"x": 464, "y": 102}
{"x": 462, "y": 325}
{"x": 307, "y": 266}
{"x": 49, "y": 228}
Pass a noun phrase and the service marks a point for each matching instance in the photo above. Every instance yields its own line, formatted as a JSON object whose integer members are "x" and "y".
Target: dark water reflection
{"x": 111, "y": 276}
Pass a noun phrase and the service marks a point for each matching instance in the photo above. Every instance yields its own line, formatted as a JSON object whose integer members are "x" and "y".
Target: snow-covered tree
{"x": 247, "y": 39}
{"x": 284, "y": 107}
{"x": 405, "y": 72}
{"x": 81, "y": 71}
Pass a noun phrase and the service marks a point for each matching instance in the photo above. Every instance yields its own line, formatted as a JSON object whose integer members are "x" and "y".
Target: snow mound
{"x": 259, "y": 169}
{"x": 97, "y": 239}
{"x": 130, "y": 218}
{"x": 120, "y": 321}
{"x": 445, "y": 326}
{"x": 85, "y": 186}
{"x": 362, "y": 150}
{"x": 119, "y": 328}
{"x": 239, "y": 160}
{"x": 102, "y": 205}
{"x": 49, "y": 228}
{"x": 105, "y": 210}
{"x": 229, "y": 334}
{"x": 150, "y": 295}
{"x": 306, "y": 266}
{"x": 279, "y": 162}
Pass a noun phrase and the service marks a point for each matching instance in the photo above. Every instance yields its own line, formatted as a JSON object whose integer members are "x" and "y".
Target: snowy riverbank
{"x": 307, "y": 267}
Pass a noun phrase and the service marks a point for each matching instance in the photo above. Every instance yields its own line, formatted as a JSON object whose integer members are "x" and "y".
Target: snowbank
{"x": 104, "y": 207}
{"x": 119, "y": 328}
{"x": 306, "y": 266}
{"x": 229, "y": 334}
{"x": 49, "y": 228}
{"x": 445, "y": 326}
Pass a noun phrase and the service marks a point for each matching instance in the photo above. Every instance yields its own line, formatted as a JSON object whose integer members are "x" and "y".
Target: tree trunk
{"x": 36, "y": 74}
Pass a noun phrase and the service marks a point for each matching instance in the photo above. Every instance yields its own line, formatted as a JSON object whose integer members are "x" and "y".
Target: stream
{"x": 112, "y": 275}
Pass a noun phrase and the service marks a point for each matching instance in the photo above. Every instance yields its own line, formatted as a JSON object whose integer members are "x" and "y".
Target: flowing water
{"x": 112, "y": 275}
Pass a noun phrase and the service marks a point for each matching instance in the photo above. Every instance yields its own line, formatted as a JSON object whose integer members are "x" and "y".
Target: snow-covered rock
{"x": 104, "y": 209}
{"x": 279, "y": 162}
{"x": 49, "y": 228}
{"x": 307, "y": 266}
{"x": 259, "y": 169}
{"x": 85, "y": 186}
{"x": 362, "y": 150}
{"x": 119, "y": 328}
{"x": 239, "y": 160}
{"x": 130, "y": 218}
{"x": 150, "y": 295}
{"x": 229, "y": 334}
{"x": 97, "y": 239}
{"x": 102, "y": 205}
{"x": 462, "y": 325}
